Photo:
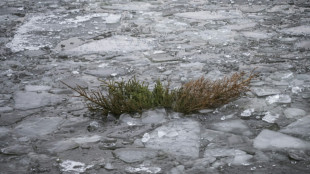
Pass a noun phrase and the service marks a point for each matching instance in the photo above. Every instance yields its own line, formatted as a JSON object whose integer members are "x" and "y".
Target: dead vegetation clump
{"x": 204, "y": 93}
{"x": 134, "y": 96}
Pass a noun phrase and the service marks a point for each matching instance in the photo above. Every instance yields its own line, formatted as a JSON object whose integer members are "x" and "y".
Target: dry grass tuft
{"x": 134, "y": 96}
{"x": 204, "y": 93}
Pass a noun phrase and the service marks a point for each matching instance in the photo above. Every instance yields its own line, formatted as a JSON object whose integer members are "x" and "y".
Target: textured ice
{"x": 22, "y": 39}
{"x": 30, "y": 35}
{"x": 112, "y": 18}
{"x": 62, "y": 146}
{"x": 73, "y": 166}
{"x": 252, "y": 8}
{"x": 296, "y": 89}
{"x": 4, "y": 132}
{"x": 179, "y": 137}
{"x": 211, "y": 15}
{"x": 270, "y": 117}
{"x": 220, "y": 36}
{"x": 33, "y": 88}
{"x": 258, "y": 104}
{"x": 133, "y": 6}
{"x": 41, "y": 126}
{"x": 86, "y": 139}
{"x": 257, "y": 35}
{"x": 278, "y": 8}
{"x": 242, "y": 25}
{"x": 247, "y": 112}
{"x": 235, "y": 156}
{"x": 132, "y": 155}
{"x": 299, "y": 30}
{"x": 233, "y": 126}
{"x": 282, "y": 99}
{"x": 271, "y": 140}
{"x": 5, "y": 109}
{"x": 168, "y": 25}
{"x": 32, "y": 100}
{"x": 260, "y": 92}
{"x": 155, "y": 116}
{"x": 146, "y": 137}
{"x": 117, "y": 43}
{"x": 80, "y": 19}
{"x": 285, "y": 75}
{"x": 106, "y": 71}
{"x": 294, "y": 113}
{"x": 300, "y": 127}
{"x": 143, "y": 169}
{"x": 303, "y": 44}
{"x": 129, "y": 120}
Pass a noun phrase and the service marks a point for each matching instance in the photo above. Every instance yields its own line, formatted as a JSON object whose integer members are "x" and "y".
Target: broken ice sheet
{"x": 247, "y": 112}
{"x": 146, "y": 137}
{"x": 296, "y": 89}
{"x": 283, "y": 99}
{"x": 74, "y": 166}
{"x": 143, "y": 169}
{"x": 270, "y": 117}
{"x": 260, "y": 92}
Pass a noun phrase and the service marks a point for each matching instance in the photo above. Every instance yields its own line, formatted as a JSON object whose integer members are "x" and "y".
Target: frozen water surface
{"x": 271, "y": 140}
{"x": 73, "y": 166}
{"x": 44, "y": 128}
{"x": 180, "y": 137}
{"x": 113, "y": 44}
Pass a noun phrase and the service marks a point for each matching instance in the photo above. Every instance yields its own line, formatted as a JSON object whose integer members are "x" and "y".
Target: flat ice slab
{"x": 113, "y": 44}
{"x": 208, "y": 15}
{"x": 271, "y": 140}
{"x": 180, "y": 137}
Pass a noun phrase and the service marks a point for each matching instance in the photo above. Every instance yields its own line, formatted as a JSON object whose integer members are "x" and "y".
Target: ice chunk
{"x": 86, "y": 139}
{"x": 4, "y": 132}
{"x": 146, "y": 137}
{"x": 270, "y": 118}
{"x": 257, "y": 35}
{"x": 260, "y": 92}
{"x": 300, "y": 127}
{"x": 233, "y": 126}
{"x": 112, "y": 18}
{"x": 303, "y": 45}
{"x": 5, "y": 109}
{"x": 61, "y": 146}
{"x": 236, "y": 156}
{"x": 34, "y": 88}
{"x": 113, "y": 44}
{"x": 143, "y": 169}
{"x": 154, "y": 116}
{"x": 74, "y": 166}
{"x": 214, "y": 15}
{"x": 16, "y": 150}
{"x": 247, "y": 112}
{"x": 132, "y": 6}
{"x": 283, "y": 75}
{"x": 94, "y": 125}
{"x": 32, "y": 100}
{"x": 241, "y": 25}
{"x": 299, "y": 30}
{"x": 131, "y": 155}
{"x": 127, "y": 119}
{"x": 296, "y": 89}
{"x": 35, "y": 127}
{"x": 242, "y": 159}
{"x": 282, "y": 99}
{"x": 294, "y": 113}
{"x": 178, "y": 137}
{"x": 271, "y": 140}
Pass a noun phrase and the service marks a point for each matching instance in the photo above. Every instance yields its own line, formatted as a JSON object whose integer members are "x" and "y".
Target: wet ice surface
{"x": 43, "y": 129}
